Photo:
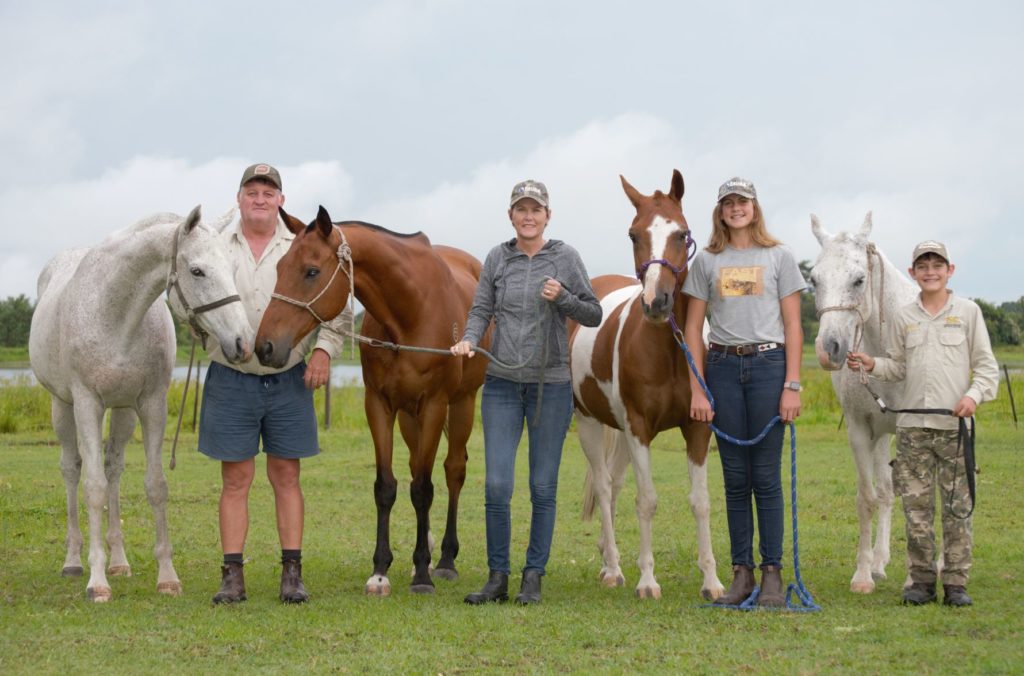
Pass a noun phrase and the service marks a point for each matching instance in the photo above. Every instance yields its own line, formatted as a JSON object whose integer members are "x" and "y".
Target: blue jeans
{"x": 505, "y": 406}
{"x": 747, "y": 392}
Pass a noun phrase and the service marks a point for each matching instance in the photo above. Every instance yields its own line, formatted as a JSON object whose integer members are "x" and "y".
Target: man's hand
{"x": 318, "y": 370}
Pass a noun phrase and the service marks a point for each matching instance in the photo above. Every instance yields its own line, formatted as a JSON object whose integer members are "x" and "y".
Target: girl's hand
{"x": 700, "y": 407}
{"x": 789, "y": 406}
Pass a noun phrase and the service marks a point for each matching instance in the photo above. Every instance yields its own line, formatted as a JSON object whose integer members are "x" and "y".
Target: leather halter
{"x": 872, "y": 255}
{"x": 190, "y": 312}
{"x": 344, "y": 254}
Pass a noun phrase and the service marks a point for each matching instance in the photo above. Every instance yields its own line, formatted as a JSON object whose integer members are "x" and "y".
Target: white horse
{"x": 857, "y": 291}
{"x": 102, "y": 338}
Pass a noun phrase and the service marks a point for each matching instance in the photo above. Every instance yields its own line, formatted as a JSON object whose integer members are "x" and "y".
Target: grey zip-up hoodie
{"x": 509, "y": 292}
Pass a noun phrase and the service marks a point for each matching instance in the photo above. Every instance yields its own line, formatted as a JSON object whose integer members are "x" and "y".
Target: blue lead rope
{"x": 803, "y": 595}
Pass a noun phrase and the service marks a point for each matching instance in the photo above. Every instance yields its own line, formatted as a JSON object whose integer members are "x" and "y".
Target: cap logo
{"x": 261, "y": 169}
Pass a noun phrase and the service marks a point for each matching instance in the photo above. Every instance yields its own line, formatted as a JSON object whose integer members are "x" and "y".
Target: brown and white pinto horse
{"x": 415, "y": 294}
{"x": 631, "y": 380}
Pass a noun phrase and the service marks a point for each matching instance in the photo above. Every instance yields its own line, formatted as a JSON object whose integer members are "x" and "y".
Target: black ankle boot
{"x": 919, "y": 593}
{"x": 232, "y": 584}
{"x": 496, "y": 589}
{"x": 529, "y": 592}
{"x": 292, "y": 589}
{"x": 955, "y": 595}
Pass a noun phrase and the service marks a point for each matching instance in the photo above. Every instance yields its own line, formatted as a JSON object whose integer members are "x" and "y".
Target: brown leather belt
{"x": 744, "y": 350}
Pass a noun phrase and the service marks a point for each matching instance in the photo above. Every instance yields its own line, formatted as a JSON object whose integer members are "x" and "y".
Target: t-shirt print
{"x": 741, "y": 281}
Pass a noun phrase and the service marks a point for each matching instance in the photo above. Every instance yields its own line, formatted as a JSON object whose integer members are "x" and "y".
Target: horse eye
{"x": 632, "y": 238}
{"x": 312, "y": 272}
{"x": 681, "y": 235}
{"x": 197, "y": 271}
{"x": 858, "y": 282}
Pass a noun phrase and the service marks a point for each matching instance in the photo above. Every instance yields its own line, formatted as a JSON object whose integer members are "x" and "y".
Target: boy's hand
{"x": 965, "y": 407}
{"x": 854, "y": 360}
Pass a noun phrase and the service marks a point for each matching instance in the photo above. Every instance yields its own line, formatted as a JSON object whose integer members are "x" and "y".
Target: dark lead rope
{"x": 964, "y": 442}
{"x": 797, "y": 588}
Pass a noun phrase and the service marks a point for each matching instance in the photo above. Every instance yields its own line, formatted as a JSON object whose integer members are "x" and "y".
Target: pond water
{"x": 341, "y": 374}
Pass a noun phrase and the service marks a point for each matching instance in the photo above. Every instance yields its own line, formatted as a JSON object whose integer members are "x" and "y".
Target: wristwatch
{"x": 793, "y": 385}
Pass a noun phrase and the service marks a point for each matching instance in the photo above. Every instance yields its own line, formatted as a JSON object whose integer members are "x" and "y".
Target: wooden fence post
{"x": 1009, "y": 390}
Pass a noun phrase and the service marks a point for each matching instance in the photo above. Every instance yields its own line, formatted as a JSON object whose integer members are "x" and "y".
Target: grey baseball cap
{"x": 261, "y": 171}
{"x": 930, "y": 246}
{"x": 737, "y": 186}
{"x": 535, "y": 190}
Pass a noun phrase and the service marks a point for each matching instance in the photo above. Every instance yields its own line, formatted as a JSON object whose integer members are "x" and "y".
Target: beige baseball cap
{"x": 930, "y": 246}
{"x": 535, "y": 190}
{"x": 261, "y": 171}
{"x": 737, "y": 186}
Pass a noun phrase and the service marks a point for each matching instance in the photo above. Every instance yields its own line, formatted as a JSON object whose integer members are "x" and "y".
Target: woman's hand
{"x": 462, "y": 348}
{"x": 551, "y": 290}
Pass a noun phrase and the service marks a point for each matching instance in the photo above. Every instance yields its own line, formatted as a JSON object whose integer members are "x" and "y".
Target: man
{"x": 246, "y": 403}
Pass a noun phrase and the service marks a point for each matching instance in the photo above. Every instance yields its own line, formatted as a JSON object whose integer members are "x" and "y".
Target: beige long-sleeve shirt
{"x": 942, "y": 358}
{"x": 255, "y": 280}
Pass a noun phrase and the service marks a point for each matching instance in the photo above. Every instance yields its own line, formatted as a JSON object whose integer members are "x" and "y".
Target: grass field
{"x": 47, "y": 626}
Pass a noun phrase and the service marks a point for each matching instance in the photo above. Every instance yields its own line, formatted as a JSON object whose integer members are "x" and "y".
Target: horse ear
{"x": 631, "y": 192}
{"x": 323, "y": 221}
{"x": 224, "y": 221}
{"x": 292, "y": 223}
{"x": 819, "y": 232}
{"x": 865, "y": 228}
{"x": 677, "y": 189}
{"x": 192, "y": 219}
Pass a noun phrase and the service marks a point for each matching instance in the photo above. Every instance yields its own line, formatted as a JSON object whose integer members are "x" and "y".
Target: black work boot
{"x": 742, "y": 586}
{"x": 292, "y": 589}
{"x": 496, "y": 589}
{"x": 919, "y": 593}
{"x": 955, "y": 595}
{"x": 771, "y": 595}
{"x": 529, "y": 591}
{"x": 232, "y": 584}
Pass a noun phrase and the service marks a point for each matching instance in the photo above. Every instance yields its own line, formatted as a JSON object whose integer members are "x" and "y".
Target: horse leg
{"x": 861, "y": 444}
{"x": 153, "y": 415}
{"x": 460, "y": 426}
{"x": 886, "y": 498}
{"x": 63, "y": 416}
{"x": 89, "y": 422}
{"x": 646, "y": 505}
{"x": 385, "y": 488}
{"x": 410, "y": 429}
{"x": 421, "y": 489}
{"x": 593, "y": 439}
{"x": 122, "y": 424}
{"x": 697, "y": 440}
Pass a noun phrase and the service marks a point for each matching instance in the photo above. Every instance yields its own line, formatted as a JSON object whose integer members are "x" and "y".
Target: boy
{"x": 940, "y": 345}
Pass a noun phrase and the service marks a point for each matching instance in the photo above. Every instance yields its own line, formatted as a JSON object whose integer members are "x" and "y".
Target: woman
{"x": 529, "y": 286}
{"x": 750, "y": 286}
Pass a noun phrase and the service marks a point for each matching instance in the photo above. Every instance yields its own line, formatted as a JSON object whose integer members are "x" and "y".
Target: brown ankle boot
{"x": 771, "y": 595}
{"x": 232, "y": 584}
{"x": 741, "y": 587}
{"x": 292, "y": 589}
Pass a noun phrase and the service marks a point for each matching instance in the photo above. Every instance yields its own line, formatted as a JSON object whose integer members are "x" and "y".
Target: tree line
{"x": 1005, "y": 322}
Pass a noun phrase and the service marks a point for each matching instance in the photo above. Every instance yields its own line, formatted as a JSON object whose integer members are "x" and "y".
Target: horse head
{"x": 661, "y": 246}
{"x": 310, "y": 289}
{"x": 842, "y": 291}
{"x": 205, "y": 293}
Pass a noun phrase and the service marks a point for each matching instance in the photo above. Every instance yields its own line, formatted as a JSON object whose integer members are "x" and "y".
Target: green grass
{"x": 46, "y": 625}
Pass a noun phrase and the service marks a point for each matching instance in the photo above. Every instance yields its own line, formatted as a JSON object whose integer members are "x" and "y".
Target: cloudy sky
{"x": 422, "y": 115}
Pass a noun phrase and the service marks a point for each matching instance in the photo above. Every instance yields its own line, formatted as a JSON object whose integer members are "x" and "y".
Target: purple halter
{"x": 691, "y": 248}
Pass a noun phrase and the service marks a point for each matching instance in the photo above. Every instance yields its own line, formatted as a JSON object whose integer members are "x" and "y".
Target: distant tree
{"x": 1002, "y": 329}
{"x": 808, "y": 310}
{"x": 15, "y": 321}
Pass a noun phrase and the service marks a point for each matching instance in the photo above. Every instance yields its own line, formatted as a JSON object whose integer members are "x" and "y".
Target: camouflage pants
{"x": 926, "y": 457}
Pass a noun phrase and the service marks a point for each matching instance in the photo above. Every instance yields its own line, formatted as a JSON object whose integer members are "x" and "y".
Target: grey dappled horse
{"x": 102, "y": 338}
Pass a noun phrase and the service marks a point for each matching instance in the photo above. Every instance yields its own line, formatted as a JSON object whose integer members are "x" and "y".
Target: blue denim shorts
{"x": 239, "y": 409}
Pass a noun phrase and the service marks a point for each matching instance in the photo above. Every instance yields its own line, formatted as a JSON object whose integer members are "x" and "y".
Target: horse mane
{"x": 382, "y": 229}
{"x": 144, "y": 224}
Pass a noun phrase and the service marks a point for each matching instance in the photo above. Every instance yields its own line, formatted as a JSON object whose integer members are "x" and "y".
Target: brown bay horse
{"x": 631, "y": 381}
{"x": 415, "y": 294}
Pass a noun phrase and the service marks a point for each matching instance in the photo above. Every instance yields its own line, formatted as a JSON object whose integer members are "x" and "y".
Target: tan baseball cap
{"x": 737, "y": 186}
{"x": 930, "y": 246}
{"x": 535, "y": 190}
{"x": 261, "y": 171}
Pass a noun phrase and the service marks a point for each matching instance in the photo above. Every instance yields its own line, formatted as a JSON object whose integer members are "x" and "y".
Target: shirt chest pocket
{"x": 953, "y": 343}
{"x": 914, "y": 339}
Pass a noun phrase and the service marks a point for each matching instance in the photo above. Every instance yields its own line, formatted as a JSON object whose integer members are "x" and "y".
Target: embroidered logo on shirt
{"x": 741, "y": 281}
{"x": 953, "y": 320}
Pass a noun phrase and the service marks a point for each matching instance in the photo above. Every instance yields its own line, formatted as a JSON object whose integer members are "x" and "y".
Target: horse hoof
{"x": 422, "y": 588}
{"x": 613, "y": 581}
{"x": 378, "y": 585}
{"x": 449, "y": 574}
{"x": 712, "y": 594}
{"x": 120, "y": 571}
{"x": 879, "y": 575}
{"x": 71, "y": 571}
{"x": 169, "y": 588}
{"x": 99, "y": 594}
{"x": 862, "y": 587}
{"x": 648, "y": 592}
